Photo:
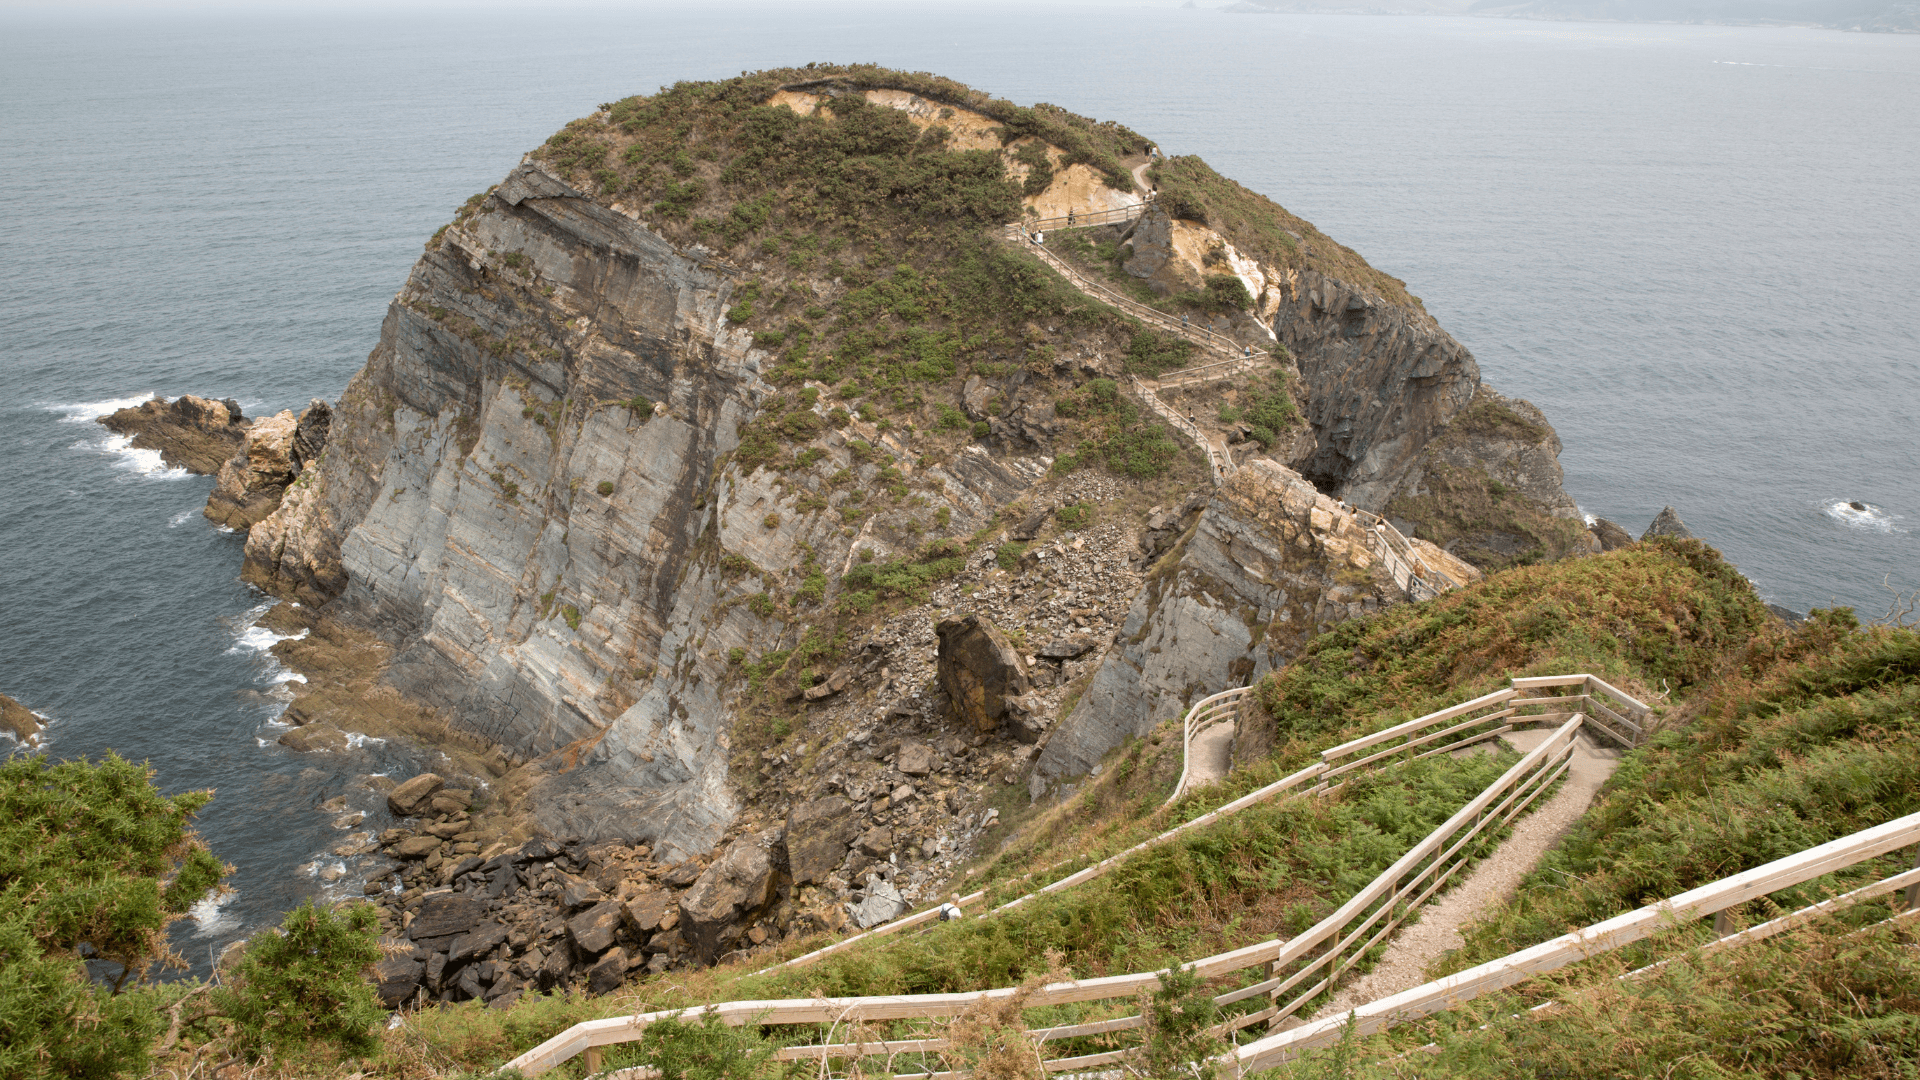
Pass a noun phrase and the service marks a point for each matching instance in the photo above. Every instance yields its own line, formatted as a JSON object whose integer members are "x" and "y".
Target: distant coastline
{"x": 1860, "y": 16}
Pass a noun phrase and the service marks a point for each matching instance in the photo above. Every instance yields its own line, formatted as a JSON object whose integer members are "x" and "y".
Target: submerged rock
{"x": 18, "y": 720}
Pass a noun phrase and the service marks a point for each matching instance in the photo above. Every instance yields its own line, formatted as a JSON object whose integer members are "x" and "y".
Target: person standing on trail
{"x": 1069, "y": 217}
{"x": 1183, "y": 322}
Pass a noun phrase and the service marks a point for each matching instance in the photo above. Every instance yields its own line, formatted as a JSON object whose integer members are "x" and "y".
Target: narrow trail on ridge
{"x": 1418, "y": 945}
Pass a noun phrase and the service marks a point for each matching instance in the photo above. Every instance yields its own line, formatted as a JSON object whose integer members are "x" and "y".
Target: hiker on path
{"x": 1069, "y": 217}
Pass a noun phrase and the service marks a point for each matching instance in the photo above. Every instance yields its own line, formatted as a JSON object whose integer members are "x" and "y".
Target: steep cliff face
{"x": 1266, "y": 564}
{"x": 509, "y": 504}
{"x": 1380, "y": 380}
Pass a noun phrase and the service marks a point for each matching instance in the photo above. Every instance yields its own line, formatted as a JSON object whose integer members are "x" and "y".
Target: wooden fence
{"x": 1409, "y": 571}
{"x": 1295, "y": 971}
{"x": 1220, "y": 708}
{"x": 1458, "y": 989}
{"x": 1295, "y": 784}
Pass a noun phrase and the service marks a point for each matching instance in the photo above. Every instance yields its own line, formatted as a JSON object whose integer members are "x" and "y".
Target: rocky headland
{"x": 757, "y": 529}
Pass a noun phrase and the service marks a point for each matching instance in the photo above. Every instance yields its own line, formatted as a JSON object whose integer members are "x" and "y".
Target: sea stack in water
{"x": 1668, "y": 523}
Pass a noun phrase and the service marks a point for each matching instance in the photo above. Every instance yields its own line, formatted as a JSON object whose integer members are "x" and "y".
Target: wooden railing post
{"x": 1913, "y": 890}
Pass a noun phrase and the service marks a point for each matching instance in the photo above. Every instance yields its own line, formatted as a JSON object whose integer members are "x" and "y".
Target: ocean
{"x": 1693, "y": 247}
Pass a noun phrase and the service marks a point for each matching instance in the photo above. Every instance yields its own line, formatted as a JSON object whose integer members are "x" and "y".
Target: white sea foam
{"x": 355, "y": 740}
{"x": 210, "y": 915}
{"x": 181, "y": 518}
{"x": 259, "y": 639}
{"x": 1872, "y": 518}
{"x": 142, "y": 462}
{"x": 86, "y": 412}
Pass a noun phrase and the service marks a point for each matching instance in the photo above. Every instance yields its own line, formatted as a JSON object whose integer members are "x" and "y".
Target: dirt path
{"x": 1210, "y": 755}
{"x": 1492, "y": 881}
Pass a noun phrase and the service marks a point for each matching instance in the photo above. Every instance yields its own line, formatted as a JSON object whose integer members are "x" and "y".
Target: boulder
{"x": 979, "y": 669}
{"x": 476, "y": 943}
{"x": 446, "y": 914}
{"x": 579, "y": 894}
{"x": 1667, "y": 523}
{"x": 313, "y": 738}
{"x": 609, "y": 973}
{"x": 1026, "y": 718}
{"x": 877, "y": 842}
{"x": 1031, "y": 526}
{"x": 18, "y": 720}
{"x": 450, "y": 800}
{"x": 883, "y": 904}
{"x": 396, "y": 978}
{"x": 738, "y": 883}
{"x": 649, "y": 911}
{"x": 818, "y": 833}
{"x": 916, "y": 758}
{"x": 1067, "y": 648}
{"x": 594, "y": 929}
{"x": 1611, "y": 537}
{"x": 418, "y": 847}
{"x": 414, "y": 795}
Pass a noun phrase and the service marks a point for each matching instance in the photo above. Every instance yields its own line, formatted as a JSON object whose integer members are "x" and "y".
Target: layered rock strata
{"x": 1260, "y": 567}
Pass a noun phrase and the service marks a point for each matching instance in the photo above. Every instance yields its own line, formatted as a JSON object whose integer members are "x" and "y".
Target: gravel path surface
{"x": 1494, "y": 880}
{"x": 1210, "y": 755}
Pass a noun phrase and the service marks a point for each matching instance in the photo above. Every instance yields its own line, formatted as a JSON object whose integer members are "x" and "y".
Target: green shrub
{"x": 909, "y": 578}
{"x": 1007, "y": 555}
{"x": 604, "y": 487}
{"x": 740, "y": 312}
{"x": 90, "y": 852}
{"x": 704, "y": 1049}
{"x": 306, "y": 983}
{"x": 572, "y": 615}
{"x": 1269, "y": 413}
{"x": 981, "y": 429}
{"x": 1153, "y": 353}
{"x": 1074, "y": 515}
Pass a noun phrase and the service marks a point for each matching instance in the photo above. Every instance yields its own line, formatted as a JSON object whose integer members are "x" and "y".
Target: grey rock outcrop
{"x": 1262, "y": 570}
{"x": 457, "y": 511}
{"x": 1381, "y": 379}
{"x": 1667, "y": 523}
{"x": 1611, "y": 537}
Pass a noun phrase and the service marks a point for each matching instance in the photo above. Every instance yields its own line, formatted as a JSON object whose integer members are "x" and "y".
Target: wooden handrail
{"x": 1204, "y": 714}
{"x": 1458, "y": 989}
{"x": 1380, "y": 907}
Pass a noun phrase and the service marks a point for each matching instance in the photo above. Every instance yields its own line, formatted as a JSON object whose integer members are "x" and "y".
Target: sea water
{"x": 1692, "y": 246}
